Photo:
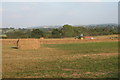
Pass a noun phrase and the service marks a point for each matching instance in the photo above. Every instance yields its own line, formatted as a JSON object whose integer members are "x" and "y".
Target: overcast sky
{"x": 59, "y": 0}
{"x": 27, "y": 14}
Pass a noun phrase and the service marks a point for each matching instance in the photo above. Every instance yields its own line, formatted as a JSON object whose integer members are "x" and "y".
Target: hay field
{"x": 97, "y": 59}
{"x": 65, "y": 40}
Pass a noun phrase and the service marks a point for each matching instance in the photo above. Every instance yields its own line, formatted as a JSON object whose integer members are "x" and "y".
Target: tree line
{"x": 62, "y": 32}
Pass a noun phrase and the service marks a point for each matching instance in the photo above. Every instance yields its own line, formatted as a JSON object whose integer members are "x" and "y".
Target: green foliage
{"x": 47, "y": 35}
{"x": 56, "y": 33}
{"x": 67, "y": 31}
{"x": 36, "y": 33}
{"x": 80, "y": 30}
{"x": 18, "y": 34}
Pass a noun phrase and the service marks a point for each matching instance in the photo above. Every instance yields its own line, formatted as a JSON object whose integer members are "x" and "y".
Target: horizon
{"x": 27, "y": 14}
{"x": 58, "y": 26}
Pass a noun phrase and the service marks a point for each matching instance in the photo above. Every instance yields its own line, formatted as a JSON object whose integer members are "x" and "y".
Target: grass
{"x": 87, "y": 48}
{"x": 82, "y": 60}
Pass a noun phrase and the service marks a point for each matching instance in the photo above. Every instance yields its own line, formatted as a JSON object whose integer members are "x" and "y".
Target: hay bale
{"x": 42, "y": 38}
{"x": 28, "y": 44}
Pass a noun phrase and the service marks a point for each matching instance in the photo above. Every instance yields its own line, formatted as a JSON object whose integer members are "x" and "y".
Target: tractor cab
{"x": 79, "y": 37}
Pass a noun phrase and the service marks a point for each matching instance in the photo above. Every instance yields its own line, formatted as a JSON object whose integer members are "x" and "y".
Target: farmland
{"x": 62, "y": 39}
{"x": 67, "y": 59}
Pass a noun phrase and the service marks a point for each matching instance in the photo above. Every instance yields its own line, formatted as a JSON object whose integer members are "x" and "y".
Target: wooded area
{"x": 61, "y": 32}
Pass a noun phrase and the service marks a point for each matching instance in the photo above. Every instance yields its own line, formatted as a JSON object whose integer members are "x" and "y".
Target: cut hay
{"x": 28, "y": 43}
{"x": 42, "y": 38}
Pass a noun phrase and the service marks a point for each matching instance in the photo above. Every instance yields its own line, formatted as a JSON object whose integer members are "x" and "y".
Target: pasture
{"x": 82, "y": 59}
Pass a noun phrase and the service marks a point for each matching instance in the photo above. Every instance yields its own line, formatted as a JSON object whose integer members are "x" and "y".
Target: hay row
{"x": 35, "y": 43}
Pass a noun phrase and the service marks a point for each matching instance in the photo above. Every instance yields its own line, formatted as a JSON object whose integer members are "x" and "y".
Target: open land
{"x": 62, "y": 58}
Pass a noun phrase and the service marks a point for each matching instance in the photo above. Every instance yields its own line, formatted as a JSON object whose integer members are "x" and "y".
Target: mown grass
{"x": 79, "y": 68}
{"x": 87, "y": 48}
{"x": 62, "y": 61}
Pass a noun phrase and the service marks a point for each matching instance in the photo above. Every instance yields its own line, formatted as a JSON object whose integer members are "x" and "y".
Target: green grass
{"x": 87, "y": 48}
{"x": 80, "y": 68}
{"x": 62, "y": 61}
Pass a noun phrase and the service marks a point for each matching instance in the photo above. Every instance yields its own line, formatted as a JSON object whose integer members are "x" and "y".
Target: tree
{"x": 36, "y": 33}
{"x": 67, "y": 31}
{"x": 56, "y": 33}
{"x": 17, "y": 34}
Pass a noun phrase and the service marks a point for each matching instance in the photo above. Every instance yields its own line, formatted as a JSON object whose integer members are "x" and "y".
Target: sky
{"x": 59, "y": 0}
{"x": 29, "y": 14}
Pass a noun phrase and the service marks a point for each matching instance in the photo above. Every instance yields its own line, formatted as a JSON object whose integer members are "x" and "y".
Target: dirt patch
{"x": 70, "y": 69}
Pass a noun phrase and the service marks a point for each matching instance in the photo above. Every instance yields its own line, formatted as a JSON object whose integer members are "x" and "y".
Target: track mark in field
{"x": 67, "y": 69}
{"x": 102, "y": 54}
{"x": 77, "y": 56}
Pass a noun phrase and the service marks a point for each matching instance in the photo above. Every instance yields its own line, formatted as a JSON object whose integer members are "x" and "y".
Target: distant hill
{"x": 40, "y": 27}
{"x": 102, "y": 25}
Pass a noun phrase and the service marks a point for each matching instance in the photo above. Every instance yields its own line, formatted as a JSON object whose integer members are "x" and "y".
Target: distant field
{"x": 103, "y": 38}
{"x": 74, "y": 60}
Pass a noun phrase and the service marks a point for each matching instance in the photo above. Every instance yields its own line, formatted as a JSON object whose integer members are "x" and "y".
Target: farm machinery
{"x": 83, "y": 37}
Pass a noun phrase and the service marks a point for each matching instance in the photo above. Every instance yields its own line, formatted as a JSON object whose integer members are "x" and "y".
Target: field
{"x": 78, "y": 59}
